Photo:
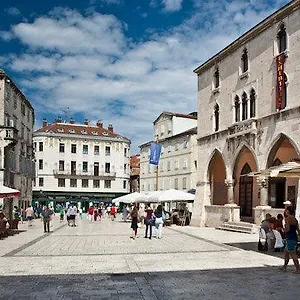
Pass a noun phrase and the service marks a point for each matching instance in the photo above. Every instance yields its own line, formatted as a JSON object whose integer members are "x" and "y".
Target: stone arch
{"x": 283, "y": 150}
{"x": 245, "y": 188}
{"x": 216, "y": 174}
{"x": 282, "y": 140}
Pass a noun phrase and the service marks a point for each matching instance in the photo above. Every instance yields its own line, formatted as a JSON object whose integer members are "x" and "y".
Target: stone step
{"x": 239, "y": 227}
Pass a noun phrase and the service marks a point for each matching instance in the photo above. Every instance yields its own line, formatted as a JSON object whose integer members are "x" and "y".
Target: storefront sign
{"x": 280, "y": 90}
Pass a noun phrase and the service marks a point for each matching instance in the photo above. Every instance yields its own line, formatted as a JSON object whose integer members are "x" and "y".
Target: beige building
{"x": 16, "y": 151}
{"x": 248, "y": 120}
{"x": 177, "y": 133}
{"x": 81, "y": 163}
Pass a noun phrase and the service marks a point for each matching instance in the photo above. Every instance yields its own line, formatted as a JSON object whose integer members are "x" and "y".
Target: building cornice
{"x": 249, "y": 35}
{"x": 81, "y": 137}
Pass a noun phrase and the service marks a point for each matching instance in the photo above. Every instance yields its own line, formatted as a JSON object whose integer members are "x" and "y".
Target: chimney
{"x": 86, "y": 122}
{"x": 72, "y": 121}
{"x": 45, "y": 123}
{"x": 99, "y": 124}
{"x": 110, "y": 128}
{"x": 58, "y": 120}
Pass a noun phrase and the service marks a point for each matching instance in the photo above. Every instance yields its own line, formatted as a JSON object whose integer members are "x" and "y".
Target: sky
{"x": 120, "y": 61}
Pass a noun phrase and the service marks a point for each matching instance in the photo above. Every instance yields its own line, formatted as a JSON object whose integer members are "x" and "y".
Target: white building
{"x": 248, "y": 120}
{"x": 80, "y": 162}
{"x": 177, "y": 133}
{"x": 16, "y": 150}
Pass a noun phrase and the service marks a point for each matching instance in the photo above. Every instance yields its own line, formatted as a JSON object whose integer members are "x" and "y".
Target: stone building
{"x": 16, "y": 148}
{"x": 177, "y": 133}
{"x": 80, "y": 163}
{"x": 248, "y": 120}
{"x": 134, "y": 173}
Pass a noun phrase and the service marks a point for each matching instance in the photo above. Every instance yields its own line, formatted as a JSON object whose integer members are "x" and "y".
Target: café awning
{"x": 130, "y": 198}
{"x": 7, "y": 192}
{"x": 290, "y": 169}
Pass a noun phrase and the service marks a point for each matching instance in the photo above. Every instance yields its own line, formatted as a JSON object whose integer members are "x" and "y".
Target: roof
{"x": 76, "y": 129}
{"x": 135, "y": 161}
{"x": 267, "y": 22}
{"x": 189, "y": 131}
{"x": 179, "y": 115}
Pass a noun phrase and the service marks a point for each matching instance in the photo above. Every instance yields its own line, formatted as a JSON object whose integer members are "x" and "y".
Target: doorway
{"x": 246, "y": 192}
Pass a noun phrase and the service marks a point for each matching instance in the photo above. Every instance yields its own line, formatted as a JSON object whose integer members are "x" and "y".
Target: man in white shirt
{"x": 29, "y": 215}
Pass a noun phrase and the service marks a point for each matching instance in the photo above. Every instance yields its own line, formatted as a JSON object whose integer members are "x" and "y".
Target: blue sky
{"x": 120, "y": 61}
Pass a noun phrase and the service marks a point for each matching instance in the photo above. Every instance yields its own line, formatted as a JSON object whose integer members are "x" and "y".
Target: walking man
{"x": 46, "y": 214}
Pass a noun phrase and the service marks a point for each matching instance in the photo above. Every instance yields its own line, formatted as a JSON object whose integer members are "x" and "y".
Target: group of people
{"x": 282, "y": 233}
{"x": 152, "y": 218}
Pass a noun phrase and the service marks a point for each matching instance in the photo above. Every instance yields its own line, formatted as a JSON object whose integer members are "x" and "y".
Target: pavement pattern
{"x": 99, "y": 261}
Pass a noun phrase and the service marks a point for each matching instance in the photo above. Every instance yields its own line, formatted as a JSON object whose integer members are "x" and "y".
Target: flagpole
{"x": 156, "y": 171}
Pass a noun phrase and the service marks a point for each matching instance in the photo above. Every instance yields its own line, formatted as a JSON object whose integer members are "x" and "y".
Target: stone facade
{"x": 16, "y": 149}
{"x": 245, "y": 130}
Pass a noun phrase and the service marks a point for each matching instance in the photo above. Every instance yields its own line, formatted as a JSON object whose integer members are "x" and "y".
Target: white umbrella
{"x": 149, "y": 197}
{"x": 175, "y": 195}
{"x": 130, "y": 198}
{"x": 7, "y": 192}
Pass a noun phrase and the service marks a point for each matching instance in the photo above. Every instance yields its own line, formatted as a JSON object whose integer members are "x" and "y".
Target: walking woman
{"x": 159, "y": 221}
{"x": 149, "y": 221}
{"x": 291, "y": 229}
{"x": 134, "y": 221}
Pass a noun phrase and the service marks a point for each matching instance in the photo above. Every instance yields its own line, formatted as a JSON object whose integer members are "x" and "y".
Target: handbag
{"x": 163, "y": 215}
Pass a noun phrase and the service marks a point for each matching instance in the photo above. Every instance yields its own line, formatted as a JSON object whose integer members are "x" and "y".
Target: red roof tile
{"x": 85, "y": 130}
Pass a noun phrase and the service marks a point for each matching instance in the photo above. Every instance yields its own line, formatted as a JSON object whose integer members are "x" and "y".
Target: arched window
{"x": 244, "y": 59}
{"x": 244, "y": 107}
{"x": 252, "y": 103}
{"x": 237, "y": 108}
{"x": 282, "y": 39}
{"x": 217, "y": 116}
{"x": 216, "y": 78}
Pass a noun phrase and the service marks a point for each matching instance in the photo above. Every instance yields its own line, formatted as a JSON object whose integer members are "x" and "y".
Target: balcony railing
{"x": 80, "y": 174}
{"x": 243, "y": 127}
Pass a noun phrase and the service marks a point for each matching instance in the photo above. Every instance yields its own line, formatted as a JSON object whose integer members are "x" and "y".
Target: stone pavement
{"x": 100, "y": 261}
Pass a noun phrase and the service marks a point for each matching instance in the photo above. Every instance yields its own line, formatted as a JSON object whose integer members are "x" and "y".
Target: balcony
{"x": 76, "y": 174}
{"x": 242, "y": 128}
{"x": 9, "y": 133}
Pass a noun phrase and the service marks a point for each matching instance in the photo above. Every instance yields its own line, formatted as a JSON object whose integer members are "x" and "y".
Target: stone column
{"x": 230, "y": 192}
{"x": 263, "y": 187}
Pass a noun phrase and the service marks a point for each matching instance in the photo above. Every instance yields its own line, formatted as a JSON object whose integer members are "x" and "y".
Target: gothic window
{"x": 244, "y": 107}
{"x": 244, "y": 58}
{"x": 237, "y": 108}
{"x": 216, "y": 78}
{"x": 217, "y": 116}
{"x": 282, "y": 39}
{"x": 252, "y": 103}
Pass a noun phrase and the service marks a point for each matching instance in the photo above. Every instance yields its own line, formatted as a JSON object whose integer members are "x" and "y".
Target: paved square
{"x": 100, "y": 261}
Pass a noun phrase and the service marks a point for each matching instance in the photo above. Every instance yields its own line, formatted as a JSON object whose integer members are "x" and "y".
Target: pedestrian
{"x": 72, "y": 211}
{"x": 291, "y": 229}
{"x": 90, "y": 213}
{"x": 95, "y": 214}
{"x": 134, "y": 221}
{"x": 159, "y": 221}
{"x": 125, "y": 213}
{"x": 108, "y": 209}
{"x": 142, "y": 214}
{"x": 113, "y": 212}
{"x": 62, "y": 214}
{"x": 80, "y": 213}
{"x": 149, "y": 219}
{"x": 29, "y": 215}
{"x": 46, "y": 215}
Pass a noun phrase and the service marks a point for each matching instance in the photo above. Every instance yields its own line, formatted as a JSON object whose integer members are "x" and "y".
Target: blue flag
{"x": 155, "y": 150}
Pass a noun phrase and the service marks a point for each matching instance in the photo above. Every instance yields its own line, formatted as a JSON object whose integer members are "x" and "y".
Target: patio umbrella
{"x": 130, "y": 198}
{"x": 175, "y": 196}
{"x": 7, "y": 192}
{"x": 148, "y": 197}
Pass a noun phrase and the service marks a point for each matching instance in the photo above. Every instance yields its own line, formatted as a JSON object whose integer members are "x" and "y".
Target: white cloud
{"x": 13, "y": 11}
{"x": 172, "y": 5}
{"x": 88, "y": 62}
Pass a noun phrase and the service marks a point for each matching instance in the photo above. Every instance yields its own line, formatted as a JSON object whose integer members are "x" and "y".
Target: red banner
{"x": 280, "y": 97}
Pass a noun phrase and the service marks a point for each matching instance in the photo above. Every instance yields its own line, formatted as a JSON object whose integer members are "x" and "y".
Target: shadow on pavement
{"x": 243, "y": 283}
